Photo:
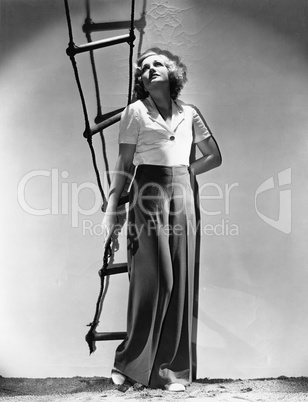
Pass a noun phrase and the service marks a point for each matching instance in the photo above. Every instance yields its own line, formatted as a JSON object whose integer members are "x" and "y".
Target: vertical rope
{"x": 83, "y": 102}
{"x": 69, "y": 51}
{"x": 105, "y": 157}
{"x": 97, "y": 91}
{"x": 98, "y": 103}
{"x": 98, "y": 179}
{"x": 88, "y": 20}
{"x": 69, "y": 22}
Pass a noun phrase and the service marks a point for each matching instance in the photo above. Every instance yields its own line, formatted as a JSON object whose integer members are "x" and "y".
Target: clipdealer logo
{"x": 65, "y": 200}
{"x": 284, "y": 221}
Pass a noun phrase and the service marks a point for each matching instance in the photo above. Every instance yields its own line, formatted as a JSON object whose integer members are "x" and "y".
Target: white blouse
{"x": 156, "y": 142}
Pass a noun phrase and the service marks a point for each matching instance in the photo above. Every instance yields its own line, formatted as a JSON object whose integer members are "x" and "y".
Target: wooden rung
{"x": 93, "y": 336}
{"x": 101, "y": 126}
{"x": 109, "y": 336}
{"x": 116, "y": 269}
{"x": 72, "y": 50}
{"x": 90, "y": 26}
{"x": 102, "y": 117}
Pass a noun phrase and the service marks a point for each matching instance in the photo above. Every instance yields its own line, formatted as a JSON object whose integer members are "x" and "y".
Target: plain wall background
{"x": 247, "y": 69}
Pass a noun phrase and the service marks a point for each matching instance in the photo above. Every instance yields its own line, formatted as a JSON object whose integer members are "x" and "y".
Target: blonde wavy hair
{"x": 177, "y": 73}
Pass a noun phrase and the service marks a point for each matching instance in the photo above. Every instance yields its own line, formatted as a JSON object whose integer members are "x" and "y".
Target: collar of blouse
{"x": 177, "y": 114}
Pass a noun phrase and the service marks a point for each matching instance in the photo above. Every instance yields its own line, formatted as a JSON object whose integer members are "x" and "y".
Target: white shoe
{"x": 175, "y": 387}
{"x": 117, "y": 377}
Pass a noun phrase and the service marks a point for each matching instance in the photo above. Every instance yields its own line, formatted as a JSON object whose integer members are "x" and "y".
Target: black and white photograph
{"x": 154, "y": 200}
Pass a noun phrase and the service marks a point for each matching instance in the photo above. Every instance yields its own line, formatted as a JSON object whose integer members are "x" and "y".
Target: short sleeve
{"x": 129, "y": 126}
{"x": 201, "y": 132}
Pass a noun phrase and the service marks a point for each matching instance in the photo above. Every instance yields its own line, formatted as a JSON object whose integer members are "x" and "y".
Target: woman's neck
{"x": 164, "y": 104}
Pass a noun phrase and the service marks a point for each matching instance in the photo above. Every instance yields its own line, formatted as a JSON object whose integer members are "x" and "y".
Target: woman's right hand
{"x": 108, "y": 225}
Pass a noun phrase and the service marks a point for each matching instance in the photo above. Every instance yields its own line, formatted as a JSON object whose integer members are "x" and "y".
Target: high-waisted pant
{"x": 161, "y": 252}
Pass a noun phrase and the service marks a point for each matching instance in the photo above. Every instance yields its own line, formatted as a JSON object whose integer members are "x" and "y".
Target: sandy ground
{"x": 90, "y": 389}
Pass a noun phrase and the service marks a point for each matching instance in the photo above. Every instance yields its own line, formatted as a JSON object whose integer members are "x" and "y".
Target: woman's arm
{"x": 121, "y": 173}
{"x": 211, "y": 157}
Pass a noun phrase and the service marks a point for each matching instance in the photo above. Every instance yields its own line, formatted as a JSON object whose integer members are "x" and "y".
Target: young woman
{"x": 156, "y": 135}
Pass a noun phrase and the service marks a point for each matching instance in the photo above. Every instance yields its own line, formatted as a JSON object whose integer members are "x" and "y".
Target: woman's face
{"x": 154, "y": 72}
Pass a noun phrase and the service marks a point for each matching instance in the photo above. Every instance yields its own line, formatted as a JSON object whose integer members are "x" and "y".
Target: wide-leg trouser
{"x": 161, "y": 252}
